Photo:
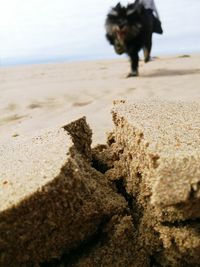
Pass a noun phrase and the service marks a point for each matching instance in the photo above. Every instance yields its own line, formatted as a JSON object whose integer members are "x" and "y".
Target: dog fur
{"x": 129, "y": 29}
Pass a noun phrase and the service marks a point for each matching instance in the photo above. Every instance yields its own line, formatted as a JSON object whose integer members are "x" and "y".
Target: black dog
{"x": 129, "y": 29}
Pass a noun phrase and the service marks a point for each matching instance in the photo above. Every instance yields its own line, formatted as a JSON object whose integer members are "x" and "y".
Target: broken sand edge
{"x": 70, "y": 210}
{"x": 108, "y": 227}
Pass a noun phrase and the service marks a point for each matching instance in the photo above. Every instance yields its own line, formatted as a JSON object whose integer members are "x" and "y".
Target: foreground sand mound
{"x": 133, "y": 202}
{"x": 158, "y": 148}
{"x": 51, "y": 198}
{"x": 162, "y": 144}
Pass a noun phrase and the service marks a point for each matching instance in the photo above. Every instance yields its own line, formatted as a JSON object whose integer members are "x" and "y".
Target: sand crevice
{"x": 131, "y": 202}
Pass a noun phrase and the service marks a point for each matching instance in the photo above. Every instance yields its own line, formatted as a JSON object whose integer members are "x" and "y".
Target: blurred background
{"x": 41, "y": 31}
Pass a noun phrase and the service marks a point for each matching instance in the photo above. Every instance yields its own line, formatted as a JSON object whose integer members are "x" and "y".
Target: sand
{"x": 36, "y": 97}
{"x": 165, "y": 145}
{"x": 116, "y": 223}
{"x": 52, "y": 199}
{"x": 157, "y": 143}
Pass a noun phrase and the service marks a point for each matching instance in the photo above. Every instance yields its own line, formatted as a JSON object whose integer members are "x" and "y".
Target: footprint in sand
{"x": 15, "y": 135}
{"x": 103, "y": 68}
{"x": 12, "y": 118}
{"x": 184, "y": 56}
{"x": 11, "y": 107}
{"x": 47, "y": 103}
{"x": 130, "y": 90}
{"x": 81, "y": 104}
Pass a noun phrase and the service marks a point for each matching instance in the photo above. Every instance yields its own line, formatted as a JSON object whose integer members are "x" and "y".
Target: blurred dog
{"x": 129, "y": 29}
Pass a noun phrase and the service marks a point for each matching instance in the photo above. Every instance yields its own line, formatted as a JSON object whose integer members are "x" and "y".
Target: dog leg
{"x": 147, "y": 49}
{"x": 134, "y": 65}
{"x": 146, "y": 54}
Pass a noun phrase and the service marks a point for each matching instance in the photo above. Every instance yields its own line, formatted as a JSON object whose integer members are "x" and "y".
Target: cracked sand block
{"x": 51, "y": 199}
{"x": 160, "y": 151}
{"x": 181, "y": 245}
{"x": 58, "y": 210}
{"x": 156, "y": 152}
{"x": 114, "y": 247}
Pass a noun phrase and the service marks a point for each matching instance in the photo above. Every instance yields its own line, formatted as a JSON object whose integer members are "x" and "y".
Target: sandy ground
{"x": 46, "y": 96}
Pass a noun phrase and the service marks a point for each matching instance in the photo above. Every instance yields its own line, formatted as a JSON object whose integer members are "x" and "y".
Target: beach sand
{"x": 127, "y": 214}
{"x": 35, "y": 97}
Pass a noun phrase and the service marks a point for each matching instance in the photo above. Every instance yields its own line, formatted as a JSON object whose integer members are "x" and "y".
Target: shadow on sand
{"x": 172, "y": 72}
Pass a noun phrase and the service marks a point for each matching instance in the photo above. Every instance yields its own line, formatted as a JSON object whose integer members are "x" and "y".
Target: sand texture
{"x": 166, "y": 147}
{"x": 46, "y": 96}
{"x": 52, "y": 199}
{"x": 133, "y": 199}
{"x": 157, "y": 143}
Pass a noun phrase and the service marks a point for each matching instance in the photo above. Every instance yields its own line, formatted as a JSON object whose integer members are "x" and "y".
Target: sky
{"x": 34, "y": 31}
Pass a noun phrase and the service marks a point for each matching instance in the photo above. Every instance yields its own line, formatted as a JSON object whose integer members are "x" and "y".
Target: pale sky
{"x": 49, "y": 29}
